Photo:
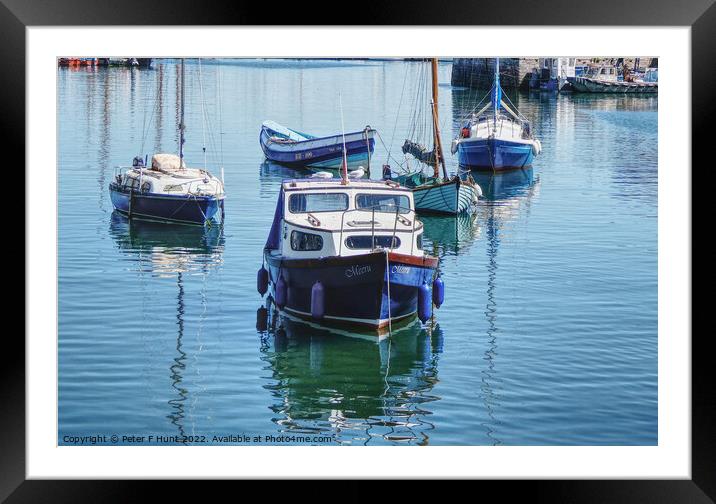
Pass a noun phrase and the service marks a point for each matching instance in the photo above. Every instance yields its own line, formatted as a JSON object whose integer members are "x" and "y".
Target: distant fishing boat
{"x": 293, "y": 148}
{"x": 168, "y": 190}
{"x": 435, "y": 194}
{"x": 605, "y": 79}
{"x": 496, "y": 137}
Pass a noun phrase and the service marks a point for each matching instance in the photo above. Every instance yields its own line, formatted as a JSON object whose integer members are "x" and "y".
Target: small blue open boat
{"x": 290, "y": 147}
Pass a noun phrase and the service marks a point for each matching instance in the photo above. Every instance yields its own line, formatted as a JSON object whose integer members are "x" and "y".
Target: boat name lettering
{"x": 354, "y": 271}
{"x": 403, "y": 270}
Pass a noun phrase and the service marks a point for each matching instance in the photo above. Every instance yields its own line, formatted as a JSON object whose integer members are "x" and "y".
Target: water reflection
{"x": 358, "y": 391}
{"x": 166, "y": 249}
{"x": 506, "y": 196}
{"x": 171, "y": 251}
{"x": 450, "y": 235}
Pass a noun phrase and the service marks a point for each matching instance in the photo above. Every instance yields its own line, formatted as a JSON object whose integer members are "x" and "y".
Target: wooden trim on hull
{"x": 424, "y": 262}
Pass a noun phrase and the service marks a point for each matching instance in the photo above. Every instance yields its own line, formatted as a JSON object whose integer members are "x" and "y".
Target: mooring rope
{"x": 387, "y": 277}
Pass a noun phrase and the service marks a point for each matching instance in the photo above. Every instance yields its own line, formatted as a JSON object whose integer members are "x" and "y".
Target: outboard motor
{"x": 387, "y": 174}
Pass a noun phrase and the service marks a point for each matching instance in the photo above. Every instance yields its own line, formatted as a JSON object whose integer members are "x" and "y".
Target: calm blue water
{"x": 548, "y": 335}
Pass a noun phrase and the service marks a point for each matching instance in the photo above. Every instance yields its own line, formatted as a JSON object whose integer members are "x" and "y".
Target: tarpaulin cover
{"x": 275, "y": 234}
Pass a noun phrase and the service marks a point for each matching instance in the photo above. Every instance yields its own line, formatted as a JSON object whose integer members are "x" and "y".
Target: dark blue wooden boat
{"x": 349, "y": 254}
{"x": 290, "y": 147}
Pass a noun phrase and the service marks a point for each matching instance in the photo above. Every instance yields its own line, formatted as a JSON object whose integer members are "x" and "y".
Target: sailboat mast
{"x": 439, "y": 159}
{"x": 497, "y": 97}
{"x": 344, "y": 167}
{"x": 181, "y": 120}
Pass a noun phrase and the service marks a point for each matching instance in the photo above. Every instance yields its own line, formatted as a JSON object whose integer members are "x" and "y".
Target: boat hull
{"x": 356, "y": 287}
{"x": 452, "y": 198}
{"x": 181, "y": 209}
{"x": 494, "y": 154}
{"x": 589, "y": 85}
{"x": 324, "y": 153}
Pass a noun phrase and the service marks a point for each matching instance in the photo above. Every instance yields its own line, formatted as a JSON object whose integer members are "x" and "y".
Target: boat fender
{"x": 438, "y": 291}
{"x": 318, "y": 300}
{"x": 280, "y": 289}
{"x": 262, "y": 319}
{"x": 425, "y": 306}
{"x": 262, "y": 278}
{"x": 453, "y": 146}
{"x": 536, "y": 147}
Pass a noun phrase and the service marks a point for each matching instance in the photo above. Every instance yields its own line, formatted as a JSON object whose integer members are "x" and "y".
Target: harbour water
{"x": 548, "y": 335}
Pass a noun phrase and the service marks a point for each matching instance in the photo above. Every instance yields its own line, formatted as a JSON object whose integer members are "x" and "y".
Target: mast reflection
{"x": 171, "y": 251}
{"x": 506, "y": 196}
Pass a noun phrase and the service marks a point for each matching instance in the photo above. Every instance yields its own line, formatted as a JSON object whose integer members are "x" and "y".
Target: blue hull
{"x": 356, "y": 287}
{"x": 180, "y": 209}
{"x": 494, "y": 154}
{"x": 323, "y": 153}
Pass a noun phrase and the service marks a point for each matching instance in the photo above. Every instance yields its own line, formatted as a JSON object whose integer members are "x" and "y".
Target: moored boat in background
{"x": 293, "y": 148}
{"x": 496, "y": 137}
{"x": 434, "y": 193}
{"x": 605, "y": 79}
{"x": 168, "y": 190}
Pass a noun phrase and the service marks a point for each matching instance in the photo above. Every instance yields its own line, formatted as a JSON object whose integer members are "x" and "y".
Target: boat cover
{"x": 275, "y": 233}
{"x": 283, "y": 130}
{"x": 167, "y": 162}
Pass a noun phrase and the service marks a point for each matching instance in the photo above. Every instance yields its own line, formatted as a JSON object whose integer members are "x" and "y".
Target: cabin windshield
{"x": 383, "y": 202}
{"x": 318, "y": 202}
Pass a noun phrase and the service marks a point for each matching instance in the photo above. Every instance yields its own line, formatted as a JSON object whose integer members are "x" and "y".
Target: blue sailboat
{"x": 496, "y": 137}
{"x": 294, "y": 148}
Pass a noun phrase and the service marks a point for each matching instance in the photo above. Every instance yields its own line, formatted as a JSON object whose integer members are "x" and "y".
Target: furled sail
{"x": 419, "y": 152}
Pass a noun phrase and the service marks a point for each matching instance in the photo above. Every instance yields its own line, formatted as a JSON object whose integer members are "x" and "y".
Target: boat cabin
{"x": 317, "y": 218}
{"x": 607, "y": 73}
{"x": 167, "y": 175}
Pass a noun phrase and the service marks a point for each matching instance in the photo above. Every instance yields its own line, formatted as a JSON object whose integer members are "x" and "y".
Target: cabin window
{"x": 365, "y": 242}
{"x": 318, "y": 202}
{"x": 383, "y": 202}
{"x": 419, "y": 241}
{"x": 305, "y": 241}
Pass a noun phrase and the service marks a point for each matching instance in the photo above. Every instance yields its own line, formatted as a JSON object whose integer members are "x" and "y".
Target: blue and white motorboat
{"x": 293, "y": 148}
{"x": 496, "y": 137}
{"x": 168, "y": 190}
{"x": 349, "y": 254}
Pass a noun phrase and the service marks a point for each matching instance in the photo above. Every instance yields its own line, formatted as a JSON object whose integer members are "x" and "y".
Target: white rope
{"x": 387, "y": 276}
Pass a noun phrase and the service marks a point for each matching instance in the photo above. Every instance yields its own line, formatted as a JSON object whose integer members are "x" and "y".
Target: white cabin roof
{"x": 336, "y": 183}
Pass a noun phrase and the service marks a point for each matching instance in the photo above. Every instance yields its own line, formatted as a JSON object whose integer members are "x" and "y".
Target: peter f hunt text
{"x": 225, "y": 439}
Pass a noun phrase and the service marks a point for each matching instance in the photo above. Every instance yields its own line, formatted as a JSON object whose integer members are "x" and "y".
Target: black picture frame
{"x": 700, "y": 15}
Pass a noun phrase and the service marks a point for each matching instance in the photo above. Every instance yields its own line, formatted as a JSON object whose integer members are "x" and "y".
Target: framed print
{"x": 461, "y": 239}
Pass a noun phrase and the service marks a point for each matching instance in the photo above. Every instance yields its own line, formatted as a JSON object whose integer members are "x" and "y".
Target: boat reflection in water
{"x": 172, "y": 251}
{"x": 450, "y": 235}
{"x": 507, "y": 196}
{"x": 348, "y": 390}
